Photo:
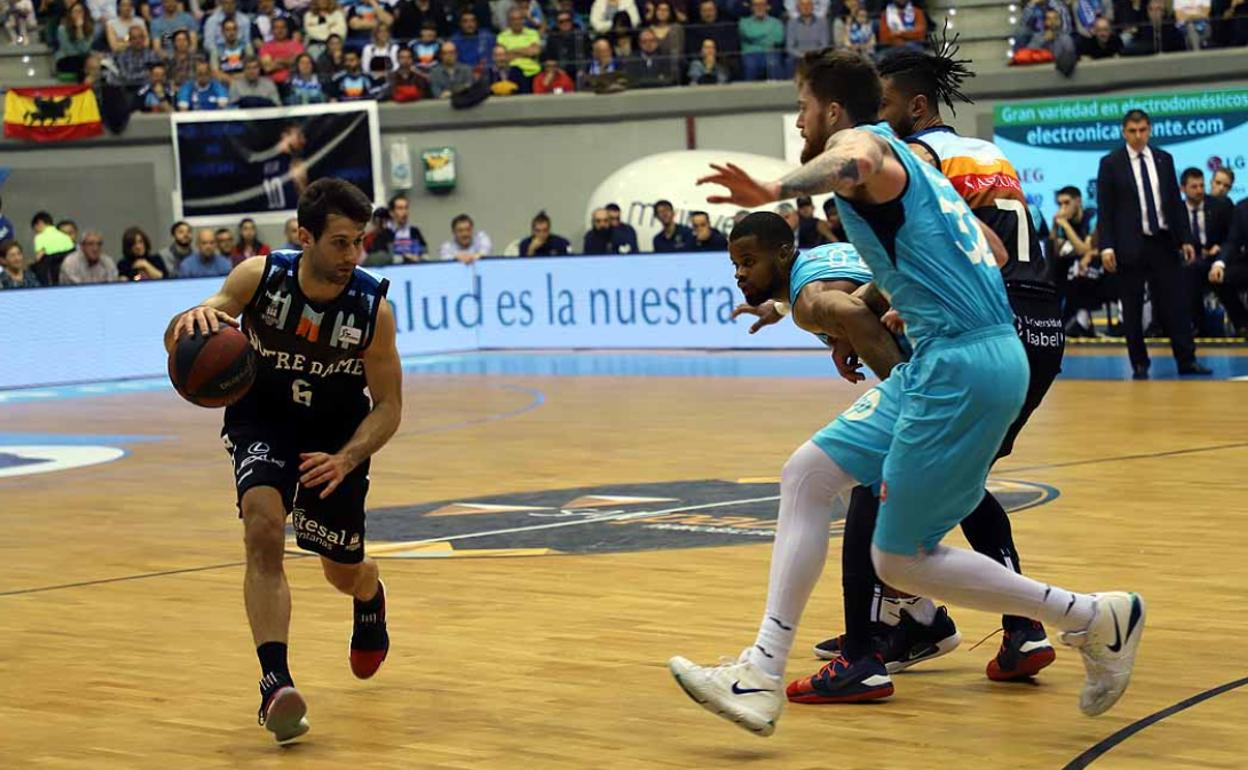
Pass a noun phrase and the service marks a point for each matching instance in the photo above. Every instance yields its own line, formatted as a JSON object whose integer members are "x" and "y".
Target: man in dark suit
{"x": 1209, "y": 219}
{"x": 1143, "y": 226}
{"x": 1229, "y": 272}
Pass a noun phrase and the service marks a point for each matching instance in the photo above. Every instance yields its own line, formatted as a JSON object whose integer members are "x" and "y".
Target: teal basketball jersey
{"x": 927, "y": 254}
{"x": 829, "y": 262}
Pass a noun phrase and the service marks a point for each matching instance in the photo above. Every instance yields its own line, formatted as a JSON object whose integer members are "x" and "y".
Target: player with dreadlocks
{"x": 907, "y": 630}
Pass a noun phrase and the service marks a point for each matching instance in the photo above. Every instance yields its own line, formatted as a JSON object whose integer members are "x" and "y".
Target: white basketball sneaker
{"x": 1108, "y": 646}
{"x": 740, "y": 692}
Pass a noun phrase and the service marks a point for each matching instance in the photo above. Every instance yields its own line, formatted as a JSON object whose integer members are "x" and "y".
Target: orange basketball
{"x": 213, "y": 370}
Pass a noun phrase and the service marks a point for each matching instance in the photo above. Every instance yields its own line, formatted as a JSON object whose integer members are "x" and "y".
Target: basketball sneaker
{"x": 738, "y": 691}
{"x": 1025, "y": 650}
{"x": 831, "y": 649}
{"x": 369, "y": 640}
{"x": 841, "y": 681}
{"x": 910, "y": 642}
{"x": 1108, "y": 646}
{"x": 283, "y": 711}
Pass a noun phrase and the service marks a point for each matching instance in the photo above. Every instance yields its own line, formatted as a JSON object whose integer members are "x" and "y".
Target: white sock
{"x": 969, "y": 579}
{"x": 809, "y": 486}
{"x": 920, "y": 608}
{"x": 1084, "y": 319}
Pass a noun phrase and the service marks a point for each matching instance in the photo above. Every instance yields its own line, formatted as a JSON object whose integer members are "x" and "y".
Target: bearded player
{"x": 927, "y": 434}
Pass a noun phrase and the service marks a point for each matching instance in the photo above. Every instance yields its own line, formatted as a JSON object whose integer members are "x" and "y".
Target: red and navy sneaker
{"x": 1025, "y": 650}
{"x": 369, "y": 640}
{"x": 283, "y": 711}
{"x": 841, "y": 681}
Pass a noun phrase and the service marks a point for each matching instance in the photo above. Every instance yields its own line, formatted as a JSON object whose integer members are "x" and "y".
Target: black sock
{"x": 988, "y": 531}
{"x": 858, "y": 573}
{"x": 273, "y": 659}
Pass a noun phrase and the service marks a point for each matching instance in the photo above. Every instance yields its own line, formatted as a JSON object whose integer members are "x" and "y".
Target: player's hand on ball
{"x": 766, "y": 312}
{"x": 319, "y": 468}
{"x": 201, "y": 320}
{"x": 893, "y": 322}
{"x": 846, "y": 360}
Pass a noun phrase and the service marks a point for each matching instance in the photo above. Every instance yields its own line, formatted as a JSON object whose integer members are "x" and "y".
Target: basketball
{"x": 213, "y": 370}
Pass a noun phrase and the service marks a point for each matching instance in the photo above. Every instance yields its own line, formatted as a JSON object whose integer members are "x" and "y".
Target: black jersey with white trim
{"x": 310, "y": 369}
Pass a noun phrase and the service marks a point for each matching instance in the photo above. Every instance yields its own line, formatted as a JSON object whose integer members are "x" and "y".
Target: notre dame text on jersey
{"x": 310, "y": 373}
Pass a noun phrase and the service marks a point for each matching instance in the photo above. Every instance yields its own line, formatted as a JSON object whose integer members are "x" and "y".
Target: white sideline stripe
{"x": 382, "y": 547}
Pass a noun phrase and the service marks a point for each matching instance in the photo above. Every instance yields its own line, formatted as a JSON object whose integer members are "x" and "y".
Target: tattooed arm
{"x": 856, "y": 164}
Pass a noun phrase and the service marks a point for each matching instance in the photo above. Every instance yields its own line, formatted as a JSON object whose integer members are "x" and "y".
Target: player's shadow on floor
{"x": 735, "y": 755}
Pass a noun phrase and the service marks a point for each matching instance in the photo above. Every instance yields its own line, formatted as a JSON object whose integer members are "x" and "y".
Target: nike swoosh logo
{"x": 1117, "y": 645}
{"x": 737, "y": 689}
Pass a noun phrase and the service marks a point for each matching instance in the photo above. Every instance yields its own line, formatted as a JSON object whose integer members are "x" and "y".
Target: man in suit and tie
{"x": 1143, "y": 227}
{"x": 1210, "y": 222}
{"x": 1229, "y": 272}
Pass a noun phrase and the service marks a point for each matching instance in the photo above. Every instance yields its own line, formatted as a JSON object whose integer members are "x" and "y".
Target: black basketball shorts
{"x": 1038, "y": 320}
{"x": 333, "y": 527}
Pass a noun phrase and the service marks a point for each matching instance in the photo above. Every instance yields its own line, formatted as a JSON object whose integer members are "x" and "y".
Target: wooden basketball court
{"x": 123, "y": 642}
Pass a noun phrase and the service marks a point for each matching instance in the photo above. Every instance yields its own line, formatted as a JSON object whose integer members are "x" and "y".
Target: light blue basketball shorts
{"x": 928, "y": 434}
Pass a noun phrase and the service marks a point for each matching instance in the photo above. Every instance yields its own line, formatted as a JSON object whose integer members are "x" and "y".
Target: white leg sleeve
{"x": 809, "y": 486}
{"x": 970, "y": 579}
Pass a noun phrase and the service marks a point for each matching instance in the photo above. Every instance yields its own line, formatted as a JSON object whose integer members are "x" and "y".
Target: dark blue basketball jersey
{"x": 310, "y": 370}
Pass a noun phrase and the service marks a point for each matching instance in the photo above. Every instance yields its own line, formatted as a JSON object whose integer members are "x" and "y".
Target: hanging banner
{"x": 51, "y": 113}
{"x": 1053, "y": 144}
{"x": 236, "y": 163}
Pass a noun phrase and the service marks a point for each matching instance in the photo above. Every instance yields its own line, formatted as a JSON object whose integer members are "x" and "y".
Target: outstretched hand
{"x": 743, "y": 189}
{"x": 766, "y": 312}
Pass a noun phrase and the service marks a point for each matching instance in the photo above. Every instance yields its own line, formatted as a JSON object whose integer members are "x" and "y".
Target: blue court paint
{"x": 692, "y": 363}
{"x": 67, "y": 439}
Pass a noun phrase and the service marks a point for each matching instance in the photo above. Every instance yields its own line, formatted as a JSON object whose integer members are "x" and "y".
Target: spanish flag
{"x": 51, "y": 113}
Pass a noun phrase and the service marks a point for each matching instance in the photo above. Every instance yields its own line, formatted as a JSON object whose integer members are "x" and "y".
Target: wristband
{"x": 782, "y": 308}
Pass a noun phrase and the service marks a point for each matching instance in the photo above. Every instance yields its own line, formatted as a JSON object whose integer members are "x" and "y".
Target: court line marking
{"x": 404, "y": 546}
{"x": 1093, "y": 461}
{"x": 1102, "y": 748}
{"x": 407, "y": 545}
{"x": 1120, "y": 458}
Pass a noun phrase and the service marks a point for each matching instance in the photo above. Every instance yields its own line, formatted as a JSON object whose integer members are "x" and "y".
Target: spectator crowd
{"x": 1209, "y": 287}
{"x": 1064, "y": 31}
{"x": 59, "y": 253}
{"x": 179, "y": 55}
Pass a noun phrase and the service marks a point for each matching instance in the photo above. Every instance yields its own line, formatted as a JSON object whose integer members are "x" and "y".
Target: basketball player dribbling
{"x": 927, "y": 434}
{"x": 302, "y": 436}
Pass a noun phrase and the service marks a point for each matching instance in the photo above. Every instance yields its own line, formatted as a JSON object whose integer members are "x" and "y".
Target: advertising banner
{"x": 114, "y": 331}
{"x": 236, "y": 163}
{"x": 1053, "y": 144}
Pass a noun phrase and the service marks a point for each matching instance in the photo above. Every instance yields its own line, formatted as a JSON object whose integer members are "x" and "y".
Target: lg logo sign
{"x": 1031, "y": 175}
